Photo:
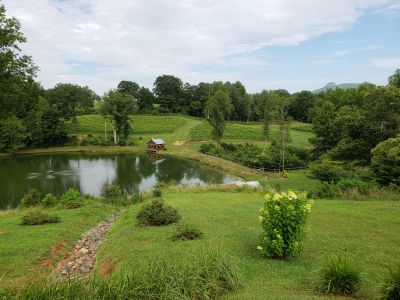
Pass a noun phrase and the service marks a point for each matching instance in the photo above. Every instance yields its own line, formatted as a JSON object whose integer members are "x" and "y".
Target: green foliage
{"x": 186, "y": 232}
{"x": 111, "y": 191}
{"x": 252, "y": 155}
{"x": 118, "y": 107}
{"x": 218, "y": 108}
{"x": 355, "y": 185}
{"x": 38, "y": 218}
{"x": 71, "y": 199}
{"x": 168, "y": 90}
{"x": 391, "y": 285}
{"x": 207, "y": 275}
{"x": 12, "y": 134}
{"x": 385, "y": 162}
{"x": 32, "y": 198}
{"x": 157, "y": 192}
{"x": 157, "y": 213}
{"x": 338, "y": 276}
{"x": 394, "y": 80}
{"x": 49, "y": 200}
{"x": 324, "y": 190}
{"x": 283, "y": 221}
{"x": 326, "y": 171}
{"x": 300, "y": 105}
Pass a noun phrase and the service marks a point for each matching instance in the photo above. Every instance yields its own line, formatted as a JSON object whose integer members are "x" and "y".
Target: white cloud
{"x": 389, "y": 63}
{"x": 356, "y": 50}
{"x": 138, "y": 40}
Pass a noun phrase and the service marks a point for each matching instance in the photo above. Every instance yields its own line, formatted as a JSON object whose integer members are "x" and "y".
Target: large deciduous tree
{"x": 19, "y": 92}
{"x": 128, "y": 87}
{"x": 118, "y": 106}
{"x": 218, "y": 108}
{"x": 394, "y": 80}
{"x": 168, "y": 90}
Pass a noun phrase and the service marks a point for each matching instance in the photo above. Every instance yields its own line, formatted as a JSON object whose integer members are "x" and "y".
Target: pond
{"x": 55, "y": 173}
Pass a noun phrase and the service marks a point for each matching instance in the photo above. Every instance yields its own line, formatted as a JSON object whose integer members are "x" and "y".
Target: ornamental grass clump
{"x": 38, "y": 218}
{"x": 283, "y": 220}
{"x": 338, "y": 276}
{"x": 391, "y": 286}
{"x": 186, "y": 232}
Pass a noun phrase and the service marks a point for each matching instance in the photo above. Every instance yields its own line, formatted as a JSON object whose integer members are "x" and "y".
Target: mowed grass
{"x": 366, "y": 231}
{"x": 94, "y": 124}
{"x": 30, "y": 252}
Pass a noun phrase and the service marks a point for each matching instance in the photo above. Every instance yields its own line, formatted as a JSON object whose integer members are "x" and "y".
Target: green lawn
{"x": 28, "y": 252}
{"x": 366, "y": 231}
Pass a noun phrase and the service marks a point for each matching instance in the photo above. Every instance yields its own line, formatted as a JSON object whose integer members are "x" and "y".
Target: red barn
{"x": 155, "y": 144}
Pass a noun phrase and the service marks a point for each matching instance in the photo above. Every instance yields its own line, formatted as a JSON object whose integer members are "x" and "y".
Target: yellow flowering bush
{"x": 283, "y": 219}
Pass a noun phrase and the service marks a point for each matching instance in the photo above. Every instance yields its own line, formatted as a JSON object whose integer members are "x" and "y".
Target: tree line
{"x": 347, "y": 123}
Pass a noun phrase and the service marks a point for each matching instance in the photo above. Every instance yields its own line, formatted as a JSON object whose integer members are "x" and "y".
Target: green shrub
{"x": 346, "y": 185}
{"x": 71, "y": 199}
{"x": 391, "y": 286}
{"x": 111, "y": 191}
{"x": 385, "y": 162}
{"x": 49, "y": 200}
{"x": 206, "y": 275}
{"x": 38, "y": 218}
{"x": 157, "y": 213}
{"x": 283, "y": 220}
{"x": 326, "y": 171}
{"x": 324, "y": 190}
{"x": 157, "y": 192}
{"x": 32, "y": 198}
{"x": 338, "y": 276}
{"x": 186, "y": 232}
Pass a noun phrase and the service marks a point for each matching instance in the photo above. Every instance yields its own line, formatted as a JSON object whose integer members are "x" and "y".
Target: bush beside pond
{"x": 38, "y": 218}
{"x": 157, "y": 213}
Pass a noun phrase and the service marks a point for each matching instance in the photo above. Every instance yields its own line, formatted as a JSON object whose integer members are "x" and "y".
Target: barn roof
{"x": 157, "y": 141}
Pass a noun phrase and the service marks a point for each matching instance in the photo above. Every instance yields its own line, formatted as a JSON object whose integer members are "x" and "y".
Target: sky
{"x": 265, "y": 44}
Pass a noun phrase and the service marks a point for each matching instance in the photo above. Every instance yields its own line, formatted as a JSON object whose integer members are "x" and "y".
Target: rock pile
{"x": 82, "y": 258}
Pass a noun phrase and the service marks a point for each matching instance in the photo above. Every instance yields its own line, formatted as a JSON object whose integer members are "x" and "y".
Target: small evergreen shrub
{"x": 71, "y": 199}
{"x": 32, "y": 198}
{"x": 283, "y": 220}
{"x": 157, "y": 192}
{"x": 38, "y": 218}
{"x": 391, "y": 285}
{"x": 186, "y": 232}
{"x": 49, "y": 200}
{"x": 326, "y": 171}
{"x": 157, "y": 213}
{"x": 338, "y": 276}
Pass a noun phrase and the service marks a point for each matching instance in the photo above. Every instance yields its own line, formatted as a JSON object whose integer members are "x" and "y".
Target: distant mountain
{"x": 332, "y": 85}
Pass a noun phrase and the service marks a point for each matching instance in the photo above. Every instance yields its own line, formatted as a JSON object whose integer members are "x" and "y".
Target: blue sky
{"x": 266, "y": 44}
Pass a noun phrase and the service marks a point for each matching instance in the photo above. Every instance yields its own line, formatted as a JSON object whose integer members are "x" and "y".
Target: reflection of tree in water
{"x": 147, "y": 165}
{"x": 170, "y": 169}
{"x": 128, "y": 174}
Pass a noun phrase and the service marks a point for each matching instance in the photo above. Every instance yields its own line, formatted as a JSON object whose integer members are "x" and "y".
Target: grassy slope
{"x": 366, "y": 231}
{"x": 30, "y": 251}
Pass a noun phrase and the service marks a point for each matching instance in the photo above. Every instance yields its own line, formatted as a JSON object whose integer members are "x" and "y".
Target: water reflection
{"x": 56, "y": 173}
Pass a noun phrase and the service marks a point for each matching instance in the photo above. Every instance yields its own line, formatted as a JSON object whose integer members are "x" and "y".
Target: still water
{"x": 56, "y": 173}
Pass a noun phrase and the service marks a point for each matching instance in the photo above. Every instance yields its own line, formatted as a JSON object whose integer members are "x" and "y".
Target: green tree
{"x": 218, "y": 108}
{"x": 385, "y": 162}
{"x": 70, "y": 99}
{"x": 168, "y": 90}
{"x": 145, "y": 99}
{"x": 394, "y": 80}
{"x": 300, "y": 105}
{"x": 12, "y": 134}
{"x": 19, "y": 92}
{"x": 118, "y": 106}
{"x": 128, "y": 87}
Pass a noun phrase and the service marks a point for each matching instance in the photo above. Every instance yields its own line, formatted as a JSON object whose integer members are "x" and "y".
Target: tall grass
{"x": 207, "y": 275}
